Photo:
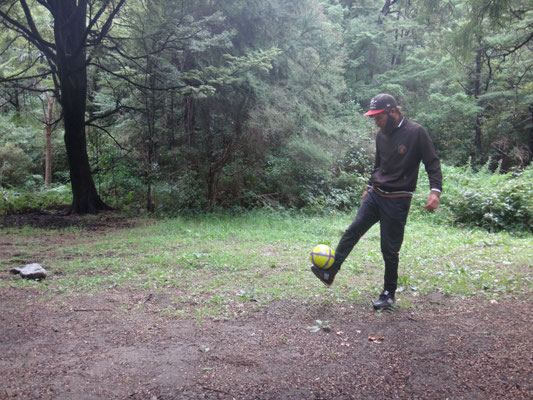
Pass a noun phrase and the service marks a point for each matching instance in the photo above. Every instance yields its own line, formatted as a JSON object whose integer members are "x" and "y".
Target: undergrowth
{"x": 484, "y": 199}
{"x": 33, "y": 199}
{"x": 490, "y": 200}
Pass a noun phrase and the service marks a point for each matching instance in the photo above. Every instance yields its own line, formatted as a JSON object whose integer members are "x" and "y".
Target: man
{"x": 400, "y": 146}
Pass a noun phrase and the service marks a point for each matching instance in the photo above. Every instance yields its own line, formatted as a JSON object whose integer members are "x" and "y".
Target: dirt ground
{"x": 115, "y": 345}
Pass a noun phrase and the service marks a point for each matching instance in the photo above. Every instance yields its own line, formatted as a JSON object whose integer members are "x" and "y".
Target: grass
{"x": 218, "y": 265}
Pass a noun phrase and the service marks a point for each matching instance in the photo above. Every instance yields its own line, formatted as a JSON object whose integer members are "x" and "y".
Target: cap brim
{"x": 373, "y": 112}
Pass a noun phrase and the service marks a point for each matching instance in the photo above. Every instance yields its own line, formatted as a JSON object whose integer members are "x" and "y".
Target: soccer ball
{"x": 322, "y": 256}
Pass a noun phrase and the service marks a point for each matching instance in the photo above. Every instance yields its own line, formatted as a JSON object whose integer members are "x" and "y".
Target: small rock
{"x": 30, "y": 271}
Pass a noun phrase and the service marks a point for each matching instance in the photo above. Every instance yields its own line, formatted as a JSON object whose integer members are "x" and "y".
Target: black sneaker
{"x": 385, "y": 301}
{"x": 324, "y": 275}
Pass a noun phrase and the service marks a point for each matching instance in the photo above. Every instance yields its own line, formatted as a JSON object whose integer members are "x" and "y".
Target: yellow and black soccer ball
{"x": 322, "y": 256}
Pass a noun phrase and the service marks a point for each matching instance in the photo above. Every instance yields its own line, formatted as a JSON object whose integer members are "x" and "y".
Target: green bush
{"x": 489, "y": 200}
{"x": 18, "y": 201}
{"x": 15, "y": 165}
{"x": 186, "y": 193}
{"x": 119, "y": 181}
{"x": 342, "y": 193}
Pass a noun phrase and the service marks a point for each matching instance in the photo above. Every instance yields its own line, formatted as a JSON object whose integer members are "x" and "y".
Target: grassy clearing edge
{"x": 216, "y": 265}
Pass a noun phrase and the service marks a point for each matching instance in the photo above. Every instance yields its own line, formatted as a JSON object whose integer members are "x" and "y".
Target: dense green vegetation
{"x": 201, "y": 105}
{"x": 491, "y": 200}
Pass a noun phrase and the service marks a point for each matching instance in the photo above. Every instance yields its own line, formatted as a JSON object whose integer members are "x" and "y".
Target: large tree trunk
{"x": 69, "y": 28}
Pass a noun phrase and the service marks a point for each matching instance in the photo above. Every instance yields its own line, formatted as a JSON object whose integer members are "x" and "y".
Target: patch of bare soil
{"x": 112, "y": 346}
{"x": 60, "y": 220}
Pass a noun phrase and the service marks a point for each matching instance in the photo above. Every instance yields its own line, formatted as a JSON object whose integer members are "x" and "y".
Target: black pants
{"x": 392, "y": 216}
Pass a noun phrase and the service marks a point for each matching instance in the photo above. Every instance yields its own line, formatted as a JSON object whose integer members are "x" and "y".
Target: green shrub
{"x": 342, "y": 192}
{"x": 18, "y": 201}
{"x": 489, "y": 200}
{"x": 15, "y": 165}
{"x": 119, "y": 181}
{"x": 186, "y": 193}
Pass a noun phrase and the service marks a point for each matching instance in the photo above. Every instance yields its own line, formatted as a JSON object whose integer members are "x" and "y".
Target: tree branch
{"x": 104, "y": 115}
{"x": 17, "y": 76}
{"x": 136, "y": 84}
{"x": 386, "y": 7}
{"x": 109, "y": 134}
{"x": 8, "y": 45}
{"x": 40, "y": 43}
{"x": 14, "y": 78}
{"x": 46, "y": 46}
{"x": 518, "y": 46}
{"x": 45, "y": 4}
{"x": 107, "y": 24}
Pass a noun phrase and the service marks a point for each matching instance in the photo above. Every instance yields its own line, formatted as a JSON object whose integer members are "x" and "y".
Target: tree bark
{"x": 189, "y": 117}
{"x": 48, "y": 120}
{"x": 171, "y": 121}
{"x": 530, "y": 141}
{"x": 69, "y": 30}
{"x": 477, "y": 93}
{"x": 386, "y": 7}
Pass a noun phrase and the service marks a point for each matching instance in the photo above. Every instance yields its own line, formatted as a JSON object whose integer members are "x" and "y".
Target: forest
{"x": 167, "y": 166}
{"x": 173, "y": 106}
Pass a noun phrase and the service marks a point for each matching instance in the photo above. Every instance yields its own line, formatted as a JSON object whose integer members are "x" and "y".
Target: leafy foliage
{"x": 491, "y": 200}
{"x": 21, "y": 150}
{"x": 486, "y": 199}
{"x": 461, "y": 67}
{"x": 14, "y": 165}
{"x": 18, "y": 201}
{"x": 238, "y": 105}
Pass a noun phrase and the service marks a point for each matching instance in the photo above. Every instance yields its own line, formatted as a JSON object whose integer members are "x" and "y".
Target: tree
{"x": 460, "y": 67}
{"x": 265, "y": 131}
{"x": 210, "y": 88}
{"x": 77, "y": 26}
{"x": 153, "y": 49}
{"x": 48, "y": 119}
{"x": 495, "y": 43}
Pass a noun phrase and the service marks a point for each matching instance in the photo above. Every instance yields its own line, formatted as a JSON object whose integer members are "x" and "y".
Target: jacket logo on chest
{"x": 402, "y": 149}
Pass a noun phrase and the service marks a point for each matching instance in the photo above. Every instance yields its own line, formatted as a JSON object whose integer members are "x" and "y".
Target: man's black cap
{"x": 381, "y": 103}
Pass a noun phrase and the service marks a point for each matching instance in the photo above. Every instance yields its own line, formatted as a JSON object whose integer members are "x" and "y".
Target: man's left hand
{"x": 433, "y": 201}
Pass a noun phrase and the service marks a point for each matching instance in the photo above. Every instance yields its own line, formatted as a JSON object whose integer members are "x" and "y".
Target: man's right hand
{"x": 433, "y": 201}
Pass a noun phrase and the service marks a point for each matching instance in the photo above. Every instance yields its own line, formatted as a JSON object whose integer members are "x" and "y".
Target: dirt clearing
{"x": 120, "y": 344}
{"x": 109, "y": 346}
